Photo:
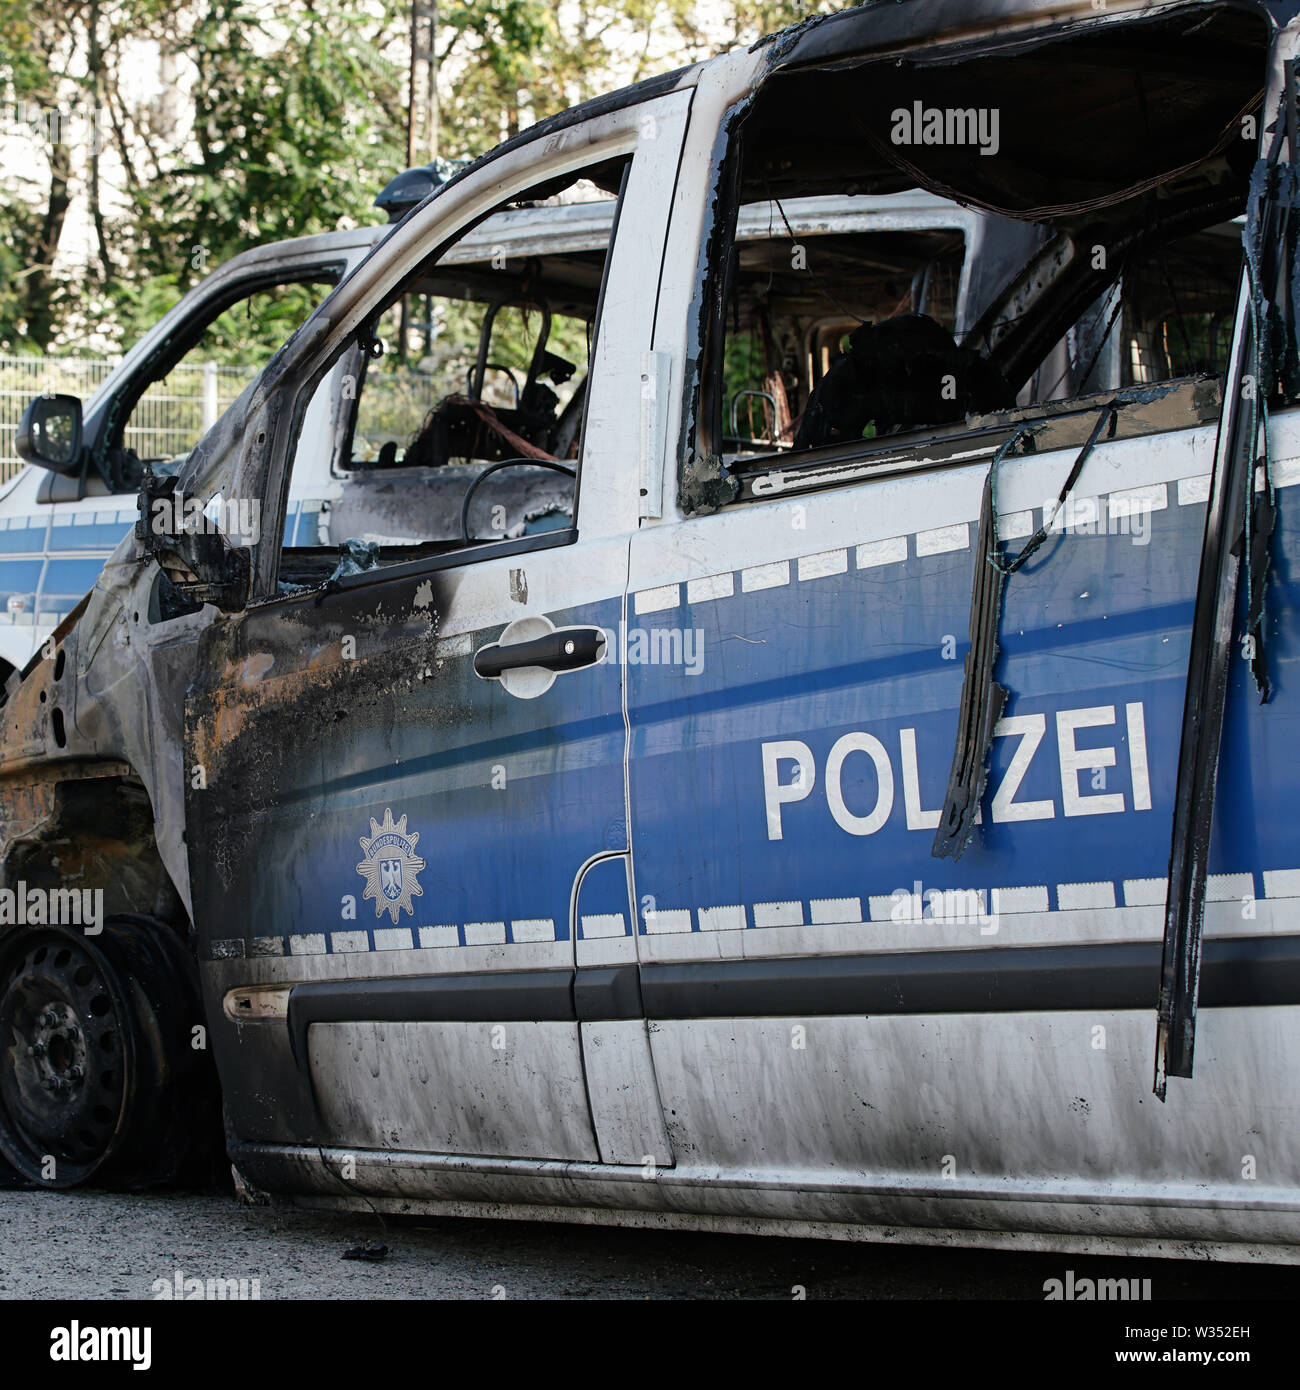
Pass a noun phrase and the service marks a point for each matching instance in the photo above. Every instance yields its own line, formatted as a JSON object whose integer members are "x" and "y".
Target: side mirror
{"x": 49, "y": 434}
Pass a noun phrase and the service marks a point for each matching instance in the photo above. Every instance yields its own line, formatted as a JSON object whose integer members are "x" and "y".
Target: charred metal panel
{"x": 328, "y": 723}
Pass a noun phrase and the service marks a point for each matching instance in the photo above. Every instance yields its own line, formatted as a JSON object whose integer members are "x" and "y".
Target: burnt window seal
{"x": 452, "y": 559}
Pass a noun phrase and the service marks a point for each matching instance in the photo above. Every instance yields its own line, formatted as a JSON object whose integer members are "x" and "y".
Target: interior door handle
{"x": 566, "y": 649}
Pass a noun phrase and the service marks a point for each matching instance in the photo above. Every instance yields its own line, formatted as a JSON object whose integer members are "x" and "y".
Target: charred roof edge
{"x": 884, "y": 24}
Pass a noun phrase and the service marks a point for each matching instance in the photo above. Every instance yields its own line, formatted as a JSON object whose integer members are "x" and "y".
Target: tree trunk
{"x": 38, "y": 309}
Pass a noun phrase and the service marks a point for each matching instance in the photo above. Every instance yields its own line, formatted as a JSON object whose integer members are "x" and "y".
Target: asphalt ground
{"x": 89, "y": 1244}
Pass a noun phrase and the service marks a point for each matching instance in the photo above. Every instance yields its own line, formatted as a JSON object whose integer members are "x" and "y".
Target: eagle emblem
{"x": 391, "y": 867}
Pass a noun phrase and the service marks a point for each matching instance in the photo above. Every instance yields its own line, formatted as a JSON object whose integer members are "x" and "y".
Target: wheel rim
{"x": 65, "y": 1036}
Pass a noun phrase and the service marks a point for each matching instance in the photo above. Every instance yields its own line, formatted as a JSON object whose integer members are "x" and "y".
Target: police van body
{"x": 750, "y": 851}
{"x": 58, "y": 528}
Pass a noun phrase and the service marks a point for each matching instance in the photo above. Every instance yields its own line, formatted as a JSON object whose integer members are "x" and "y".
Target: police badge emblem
{"x": 391, "y": 868}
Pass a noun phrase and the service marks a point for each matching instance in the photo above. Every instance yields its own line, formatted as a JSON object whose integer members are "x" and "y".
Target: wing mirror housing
{"x": 49, "y": 434}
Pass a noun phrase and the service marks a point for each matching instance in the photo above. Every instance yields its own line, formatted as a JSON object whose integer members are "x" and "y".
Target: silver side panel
{"x": 513, "y": 1089}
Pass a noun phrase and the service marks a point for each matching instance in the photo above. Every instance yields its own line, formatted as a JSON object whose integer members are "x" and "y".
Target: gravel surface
{"x": 90, "y": 1244}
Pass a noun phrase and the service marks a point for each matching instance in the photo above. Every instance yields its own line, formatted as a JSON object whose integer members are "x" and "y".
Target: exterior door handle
{"x": 565, "y": 649}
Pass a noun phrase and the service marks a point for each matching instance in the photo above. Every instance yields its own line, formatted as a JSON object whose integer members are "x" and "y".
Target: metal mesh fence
{"x": 169, "y": 419}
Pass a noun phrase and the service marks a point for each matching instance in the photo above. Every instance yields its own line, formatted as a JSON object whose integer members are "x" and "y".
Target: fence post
{"x": 210, "y": 411}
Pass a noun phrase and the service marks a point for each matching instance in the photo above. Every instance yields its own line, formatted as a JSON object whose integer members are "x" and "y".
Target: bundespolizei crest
{"x": 391, "y": 868}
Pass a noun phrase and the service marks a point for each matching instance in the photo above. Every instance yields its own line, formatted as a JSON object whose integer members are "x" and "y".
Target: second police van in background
{"x": 823, "y": 816}
{"x": 57, "y": 527}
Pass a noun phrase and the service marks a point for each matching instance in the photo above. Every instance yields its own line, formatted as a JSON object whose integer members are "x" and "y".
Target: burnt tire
{"x": 99, "y": 1078}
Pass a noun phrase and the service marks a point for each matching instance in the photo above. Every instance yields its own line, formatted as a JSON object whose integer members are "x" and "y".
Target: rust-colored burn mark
{"x": 254, "y": 667}
{"x": 82, "y": 824}
{"x": 234, "y": 707}
{"x": 24, "y": 723}
{"x": 25, "y": 807}
{"x": 326, "y": 655}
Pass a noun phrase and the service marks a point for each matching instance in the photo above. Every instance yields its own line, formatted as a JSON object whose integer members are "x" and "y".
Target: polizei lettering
{"x": 893, "y": 773}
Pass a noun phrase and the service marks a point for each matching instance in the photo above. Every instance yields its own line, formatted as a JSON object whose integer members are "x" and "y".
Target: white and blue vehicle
{"x": 58, "y": 527}
{"x": 836, "y": 757}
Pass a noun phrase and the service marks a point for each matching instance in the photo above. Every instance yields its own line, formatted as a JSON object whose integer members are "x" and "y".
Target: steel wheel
{"x": 97, "y": 1077}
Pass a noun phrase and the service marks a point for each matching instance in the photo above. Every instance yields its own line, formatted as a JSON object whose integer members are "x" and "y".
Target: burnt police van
{"x": 61, "y": 517}
{"x": 867, "y": 780}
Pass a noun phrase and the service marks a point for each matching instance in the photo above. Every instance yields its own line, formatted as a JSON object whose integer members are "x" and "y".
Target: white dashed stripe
{"x": 825, "y": 911}
{"x": 778, "y": 914}
{"x": 657, "y": 600}
{"x": 823, "y": 564}
{"x": 1144, "y": 892}
{"x": 881, "y": 906}
{"x": 714, "y": 586}
{"x": 602, "y": 924}
{"x": 454, "y": 646}
{"x": 1011, "y": 900}
{"x": 1191, "y": 490}
{"x": 887, "y": 552}
{"x": 1015, "y": 524}
{"x": 533, "y": 929}
{"x": 1078, "y": 514}
{"x": 485, "y": 933}
{"x": 771, "y": 576}
{"x": 393, "y": 939}
{"x": 1282, "y": 883}
{"x": 661, "y": 922}
{"x": 1286, "y": 472}
{"x": 1071, "y": 897}
{"x": 1229, "y": 888}
{"x": 943, "y": 538}
{"x": 1130, "y": 500}
{"x": 722, "y": 918}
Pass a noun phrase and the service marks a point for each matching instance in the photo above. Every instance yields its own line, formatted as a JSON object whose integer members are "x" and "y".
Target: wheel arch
{"x": 88, "y": 827}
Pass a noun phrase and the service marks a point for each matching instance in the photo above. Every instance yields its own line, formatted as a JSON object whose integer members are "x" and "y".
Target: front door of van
{"x": 406, "y": 835}
{"x": 406, "y": 780}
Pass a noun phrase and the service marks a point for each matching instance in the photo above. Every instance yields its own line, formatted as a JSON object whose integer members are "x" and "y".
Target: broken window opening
{"x": 471, "y": 390}
{"x": 237, "y": 332}
{"x": 1105, "y": 253}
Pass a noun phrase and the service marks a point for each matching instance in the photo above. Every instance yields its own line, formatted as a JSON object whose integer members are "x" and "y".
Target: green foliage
{"x": 291, "y": 141}
{"x": 300, "y": 115}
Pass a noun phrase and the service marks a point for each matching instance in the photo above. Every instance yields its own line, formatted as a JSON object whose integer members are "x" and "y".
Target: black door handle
{"x": 566, "y": 650}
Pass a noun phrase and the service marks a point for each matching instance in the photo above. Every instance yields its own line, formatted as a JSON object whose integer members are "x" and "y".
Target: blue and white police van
{"x": 849, "y": 793}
